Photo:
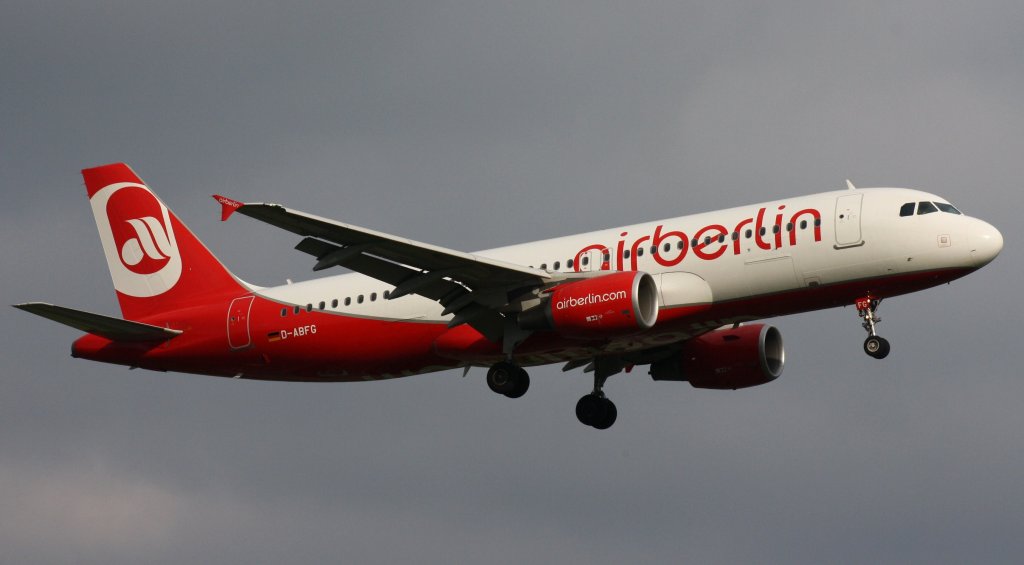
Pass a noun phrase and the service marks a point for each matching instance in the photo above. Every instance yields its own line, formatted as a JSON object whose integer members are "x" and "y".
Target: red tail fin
{"x": 156, "y": 263}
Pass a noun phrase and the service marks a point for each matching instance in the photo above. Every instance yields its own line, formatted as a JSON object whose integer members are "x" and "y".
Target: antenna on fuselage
{"x": 849, "y": 185}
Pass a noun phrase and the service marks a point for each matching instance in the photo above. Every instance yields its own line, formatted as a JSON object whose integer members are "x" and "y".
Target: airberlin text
{"x": 709, "y": 242}
{"x": 591, "y": 298}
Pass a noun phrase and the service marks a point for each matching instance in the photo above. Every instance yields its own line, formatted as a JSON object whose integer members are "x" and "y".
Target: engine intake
{"x": 606, "y": 306}
{"x": 726, "y": 359}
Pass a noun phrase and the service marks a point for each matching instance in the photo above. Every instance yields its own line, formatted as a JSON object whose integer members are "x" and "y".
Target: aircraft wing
{"x": 114, "y": 329}
{"x": 473, "y": 288}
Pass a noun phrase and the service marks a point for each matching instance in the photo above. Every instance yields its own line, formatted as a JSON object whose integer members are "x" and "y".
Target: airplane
{"x": 677, "y": 295}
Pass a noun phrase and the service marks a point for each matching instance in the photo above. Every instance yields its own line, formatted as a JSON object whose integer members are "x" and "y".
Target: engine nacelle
{"x": 726, "y": 359}
{"x": 606, "y": 306}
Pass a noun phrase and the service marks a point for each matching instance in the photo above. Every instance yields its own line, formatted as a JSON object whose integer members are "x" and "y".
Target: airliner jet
{"x": 677, "y": 295}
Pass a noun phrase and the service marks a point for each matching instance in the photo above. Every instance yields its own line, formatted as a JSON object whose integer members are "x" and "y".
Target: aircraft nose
{"x": 986, "y": 242}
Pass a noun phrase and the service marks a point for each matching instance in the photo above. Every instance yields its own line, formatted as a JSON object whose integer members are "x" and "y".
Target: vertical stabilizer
{"x": 157, "y": 264}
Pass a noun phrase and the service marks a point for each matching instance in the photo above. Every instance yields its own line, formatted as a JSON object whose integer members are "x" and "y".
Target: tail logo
{"x": 138, "y": 239}
{"x": 150, "y": 242}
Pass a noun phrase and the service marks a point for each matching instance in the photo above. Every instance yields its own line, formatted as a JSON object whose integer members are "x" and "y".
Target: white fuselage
{"x": 861, "y": 236}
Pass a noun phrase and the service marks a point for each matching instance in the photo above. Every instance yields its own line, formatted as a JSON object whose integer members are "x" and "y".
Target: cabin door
{"x": 848, "y": 220}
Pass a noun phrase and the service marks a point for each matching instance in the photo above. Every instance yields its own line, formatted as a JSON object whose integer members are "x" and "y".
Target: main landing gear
{"x": 508, "y": 379}
{"x": 875, "y": 346}
{"x": 594, "y": 409}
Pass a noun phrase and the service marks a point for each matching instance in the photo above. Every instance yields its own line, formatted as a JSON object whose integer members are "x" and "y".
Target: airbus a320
{"x": 677, "y": 295}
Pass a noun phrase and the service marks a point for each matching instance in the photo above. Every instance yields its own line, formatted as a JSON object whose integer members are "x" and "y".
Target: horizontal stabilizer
{"x": 114, "y": 329}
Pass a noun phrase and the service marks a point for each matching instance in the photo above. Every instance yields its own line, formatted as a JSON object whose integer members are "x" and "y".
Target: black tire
{"x": 877, "y": 347}
{"x": 589, "y": 409}
{"x": 521, "y": 384}
{"x": 501, "y": 377}
{"x": 609, "y": 416}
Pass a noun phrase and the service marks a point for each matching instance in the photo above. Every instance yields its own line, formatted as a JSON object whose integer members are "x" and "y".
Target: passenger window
{"x": 359, "y": 299}
{"x": 926, "y": 208}
{"x": 625, "y": 254}
{"x": 387, "y": 294}
{"x": 694, "y": 242}
{"x": 373, "y": 297}
{"x": 907, "y": 209}
{"x": 680, "y": 244}
{"x": 334, "y": 303}
{"x": 654, "y": 250}
{"x": 556, "y": 265}
{"x": 749, "y": 234}
{"x": 735, "y": 235}
{"x": 585, "y": 260}
{"x": 948, "y": 208}
{"x": 721, "y": 238}
{"x": 568, "y": 264}
{"x": 775, "y": 229}
{"x": 607, "y": 257}
{"x": 348, "y": 301}
{"x": 639, "y": 251}
{"x": 667, "y": 247}
{"x": 284, "y": 312}
{"x": 323, "y": 305}
{"x": 763, "y": 231}
{"x": 309, "y": 307}
{"x": 803, "y": 224}
{"x": 707, "y": 240}
{"x": 297, "y": 309}
{"x": 817, "y": 222}
{"x": 543, "y": 266}
{"x": 789, "y": 226}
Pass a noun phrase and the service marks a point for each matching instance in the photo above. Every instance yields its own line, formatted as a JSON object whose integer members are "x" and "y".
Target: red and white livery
{"x": 675, "y": 294}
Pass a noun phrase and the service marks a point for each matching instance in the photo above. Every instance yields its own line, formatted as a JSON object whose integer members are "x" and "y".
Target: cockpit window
{"x": 926, "y": 208}
{"x": 907, "y": 209}
{"x": 948, "y": 208}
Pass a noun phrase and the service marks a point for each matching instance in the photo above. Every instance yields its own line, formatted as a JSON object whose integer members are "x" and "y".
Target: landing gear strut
{"x": 594, "y": 409}
{"x": 875, "y": 346}
{"x": 508, "y": 379}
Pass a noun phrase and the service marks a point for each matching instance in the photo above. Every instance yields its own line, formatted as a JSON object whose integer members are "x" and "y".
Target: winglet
{"x": 849, "y": 185}
{"x": 228, "y": 206}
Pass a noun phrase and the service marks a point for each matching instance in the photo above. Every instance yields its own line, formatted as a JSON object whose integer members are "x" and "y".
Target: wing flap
{"x": 114, "y": 329}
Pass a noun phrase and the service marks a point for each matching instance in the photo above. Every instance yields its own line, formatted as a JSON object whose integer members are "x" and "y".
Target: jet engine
{"x": 729, "y": 358}
{"x": 606, "y": 306}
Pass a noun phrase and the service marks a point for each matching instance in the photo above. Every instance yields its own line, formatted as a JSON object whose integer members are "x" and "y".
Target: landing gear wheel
{"x": 521, "y": 384}
{"x": 587, "y": 409}
{"x": 501, "y": 377}
{"x": 596, "y": 411}
{"x": 877, "y": 347}
{"x": 508, "y": 379}
{"x": 610, "y": 415}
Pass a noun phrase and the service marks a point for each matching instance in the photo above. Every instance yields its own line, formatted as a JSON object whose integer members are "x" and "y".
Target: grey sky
{"x": 473, "y": 126}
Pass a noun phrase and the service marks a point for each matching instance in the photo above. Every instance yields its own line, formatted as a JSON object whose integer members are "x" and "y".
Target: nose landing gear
{"x": 874, "y": 345}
